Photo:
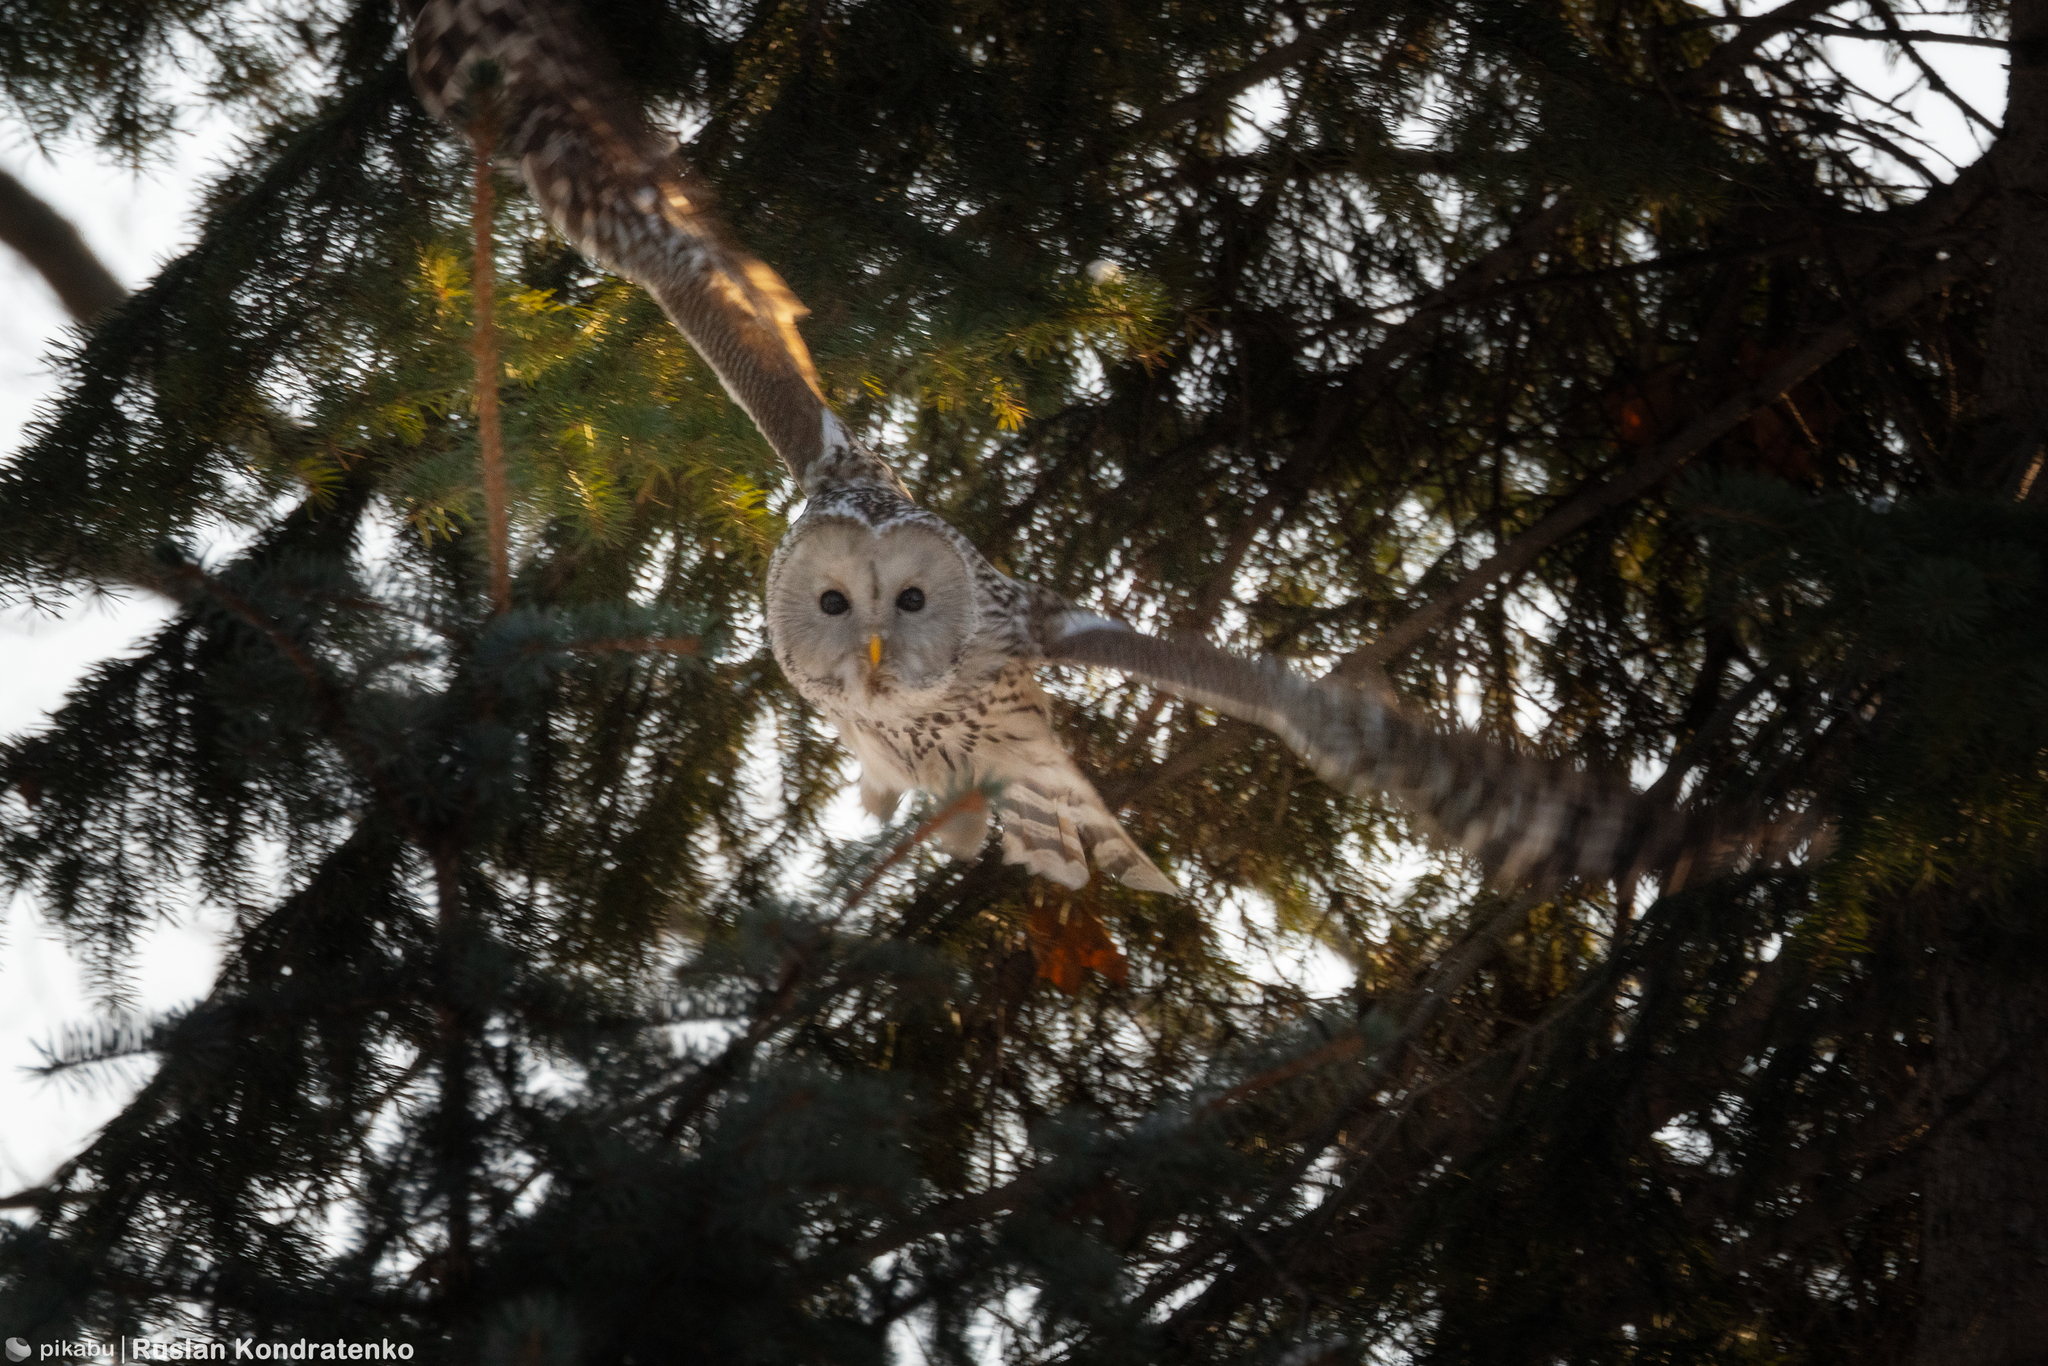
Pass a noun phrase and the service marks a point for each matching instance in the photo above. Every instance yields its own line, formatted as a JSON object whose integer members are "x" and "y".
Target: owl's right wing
{"x": 1528, "y": 820}
{"x": 556, "y": 104}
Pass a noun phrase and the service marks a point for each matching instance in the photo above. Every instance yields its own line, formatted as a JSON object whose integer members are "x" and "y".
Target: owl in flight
{"x": 887, "y": 619}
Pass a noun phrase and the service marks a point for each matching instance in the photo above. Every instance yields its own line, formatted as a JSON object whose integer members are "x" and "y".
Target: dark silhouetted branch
{"x": 48, "y": 241}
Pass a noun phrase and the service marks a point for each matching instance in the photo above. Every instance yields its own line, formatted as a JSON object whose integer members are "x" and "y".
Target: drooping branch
{"x": 1893, "y": 34}
{"x": 1216, "y": 96}
{"x": 49, "y": 242}
{"x": 484, "y": 345}
{"x": 1365, "y": 666}
{"x": 1905, "y": 39}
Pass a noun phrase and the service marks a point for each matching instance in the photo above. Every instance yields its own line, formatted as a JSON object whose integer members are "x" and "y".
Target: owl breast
{"x": 937, "y": 740}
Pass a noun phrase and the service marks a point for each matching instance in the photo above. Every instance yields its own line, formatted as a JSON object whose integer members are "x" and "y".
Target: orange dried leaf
{"x": 1069, "y": 941}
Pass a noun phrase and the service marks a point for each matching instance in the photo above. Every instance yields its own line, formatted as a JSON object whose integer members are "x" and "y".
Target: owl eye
{"x": 910, "y": 600}
{"x": 833, "y": 603}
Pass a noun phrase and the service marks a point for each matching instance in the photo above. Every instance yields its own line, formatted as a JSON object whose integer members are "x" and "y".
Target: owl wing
{"x": 1528, "y": 820}
{"x": 1053, "y": 821}
{"x": 528, "y": 70}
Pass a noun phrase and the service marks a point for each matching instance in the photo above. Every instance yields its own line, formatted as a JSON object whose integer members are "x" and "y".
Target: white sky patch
{"x": 1976, "y": 75}
{"x": 44, "y": 989}
{"x": 43, "y": 654}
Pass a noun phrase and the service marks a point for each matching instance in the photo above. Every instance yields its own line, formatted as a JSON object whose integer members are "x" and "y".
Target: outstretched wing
{"x": 1526, "y": 819}
{"x": 1053, "y": 821}
{"x": 525, "y": 74}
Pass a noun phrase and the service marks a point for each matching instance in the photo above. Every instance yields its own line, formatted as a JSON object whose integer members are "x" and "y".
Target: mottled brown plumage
{"x": 618, "y": 190}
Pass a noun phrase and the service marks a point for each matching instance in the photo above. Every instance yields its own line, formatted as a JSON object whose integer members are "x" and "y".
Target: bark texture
{"x": 2013, "y": 411}
{"x": 1984, "y": 1230}
{"x": 1984, "y": 1257}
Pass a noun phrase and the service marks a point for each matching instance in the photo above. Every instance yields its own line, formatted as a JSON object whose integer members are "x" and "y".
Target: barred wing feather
{"x": 1527, "y": 820}
{"x": 618, "y": 190}
{"x": 1053, "y": 820}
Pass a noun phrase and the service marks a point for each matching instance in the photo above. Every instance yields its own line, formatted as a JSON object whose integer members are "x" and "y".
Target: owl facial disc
{"x": 862, "y": 611}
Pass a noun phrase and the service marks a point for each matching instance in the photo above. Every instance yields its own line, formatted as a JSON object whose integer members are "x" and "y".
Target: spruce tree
{"x": 1599, "y": 375}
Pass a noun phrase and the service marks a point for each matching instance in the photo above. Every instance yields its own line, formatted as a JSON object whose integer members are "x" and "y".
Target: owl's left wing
{"x": 1528, "y": 820}
{"x": 553, "y": 101}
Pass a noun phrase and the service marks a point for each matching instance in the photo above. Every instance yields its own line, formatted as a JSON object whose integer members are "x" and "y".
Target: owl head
{"x": 870, "y": 608}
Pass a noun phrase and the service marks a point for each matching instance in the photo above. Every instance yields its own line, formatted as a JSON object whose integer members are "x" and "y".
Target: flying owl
{"x": 883, "y": 616}
{"x": 891, "y": 623}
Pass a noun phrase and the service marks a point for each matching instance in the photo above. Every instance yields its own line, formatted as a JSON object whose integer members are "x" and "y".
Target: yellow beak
{"x": 875, "y": 651}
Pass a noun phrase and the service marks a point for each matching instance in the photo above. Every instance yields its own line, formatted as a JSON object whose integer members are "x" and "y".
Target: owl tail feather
{"x": 962, "y": 833}
{"x": 1123, "y": 861}
{"x": 1053, "y": 831}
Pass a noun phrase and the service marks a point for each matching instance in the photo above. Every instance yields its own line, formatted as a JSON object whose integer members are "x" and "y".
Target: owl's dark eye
{"x": 910, "y": 600}
{"x": 834, "y": 603}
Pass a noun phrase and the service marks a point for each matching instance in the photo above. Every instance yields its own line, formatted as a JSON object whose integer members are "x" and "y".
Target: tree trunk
{"x": 1984, "y": 1216}
{"x": 2012, "y": 411}
{"x": 1984, "y": 1213}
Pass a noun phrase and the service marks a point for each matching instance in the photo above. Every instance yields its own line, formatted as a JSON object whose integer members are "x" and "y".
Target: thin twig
{"x": 967, "y": 802}
{"x": 484, "y": 346}
{"x": 328, "y": 698}
{"x": 1218, "y": 94}
{"x": 657, "y": 645}
{"x": 1444, "y": 981}
{"x": 1933, "y": 77}
{"x": 1901, "y": 36}
{"x": 788, "y": 994}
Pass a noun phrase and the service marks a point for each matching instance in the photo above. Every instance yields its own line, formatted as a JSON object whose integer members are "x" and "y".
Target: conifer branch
{"x": 1428, "y": 1003}
{"x": 1891, "y": 33}
{"x": 1751, "y": 33}
{"x": 972, "y": 800}
{"x": 1655, "y": 465}
{"x": 333, "y": 711}
{"x": 1962, "y": 258}
{"x": 788, "y": 995}
{"x": 37, "y": 1197}
{"x": 1215, "y": 98}
{"x": 699, "y": 1091}
{"x": 664, "y": 645}
{"x": 454, "y": 1122}
{"x": 294, "y": 653}
{"x": 1472, "y": 281}
{"x": 1906, "y": 39}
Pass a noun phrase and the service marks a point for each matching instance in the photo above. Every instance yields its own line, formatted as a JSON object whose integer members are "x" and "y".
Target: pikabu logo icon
{"x": 17, "y": 1349}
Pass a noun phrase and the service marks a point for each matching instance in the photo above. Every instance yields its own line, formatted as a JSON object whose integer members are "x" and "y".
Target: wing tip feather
{"x": 1144, "y": 876}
